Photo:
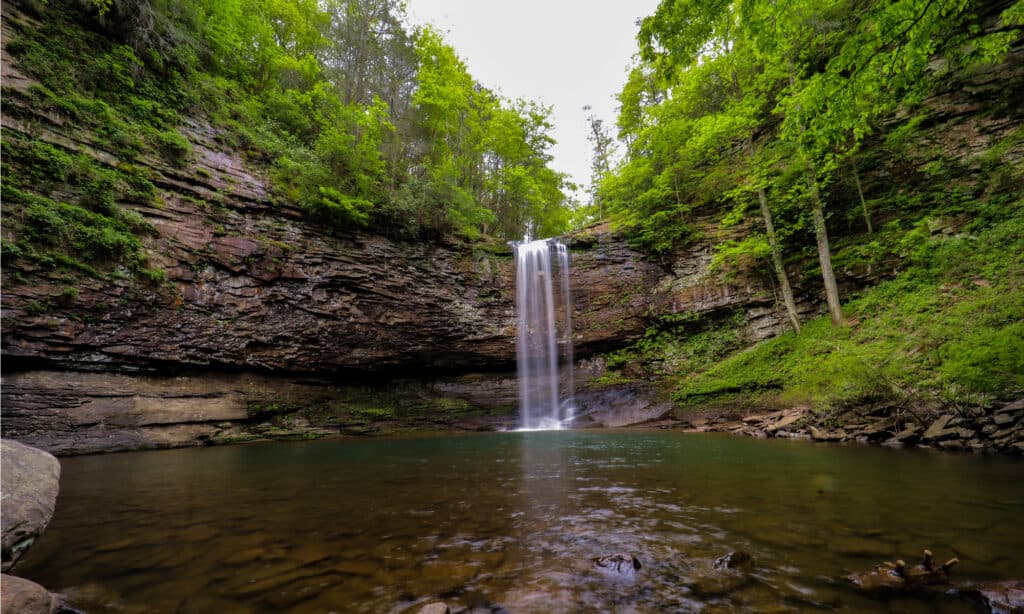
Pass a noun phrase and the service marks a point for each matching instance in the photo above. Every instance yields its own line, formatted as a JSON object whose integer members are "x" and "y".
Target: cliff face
{"x": 267, "y": 326}
{"x": 299, "y": 316}
{"x": 251, "y": 285}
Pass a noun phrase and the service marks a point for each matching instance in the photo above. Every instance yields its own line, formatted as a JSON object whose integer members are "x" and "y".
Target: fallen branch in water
{"x": 898, "y": 575}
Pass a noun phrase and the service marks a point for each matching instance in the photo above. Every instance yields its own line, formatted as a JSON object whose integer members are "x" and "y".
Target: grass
{"x": 950, "y": 328}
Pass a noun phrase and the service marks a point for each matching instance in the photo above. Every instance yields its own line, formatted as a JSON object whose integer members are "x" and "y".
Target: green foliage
{"x": 949, "y": 328}
{"x": 362, "y": 121}
{"x": 743, "y": 254}
{"x": 53, "y": 233}
{"x": 341, "y": 209}
{"x": 174, "y": 147}
{"x": 373, "y": 414}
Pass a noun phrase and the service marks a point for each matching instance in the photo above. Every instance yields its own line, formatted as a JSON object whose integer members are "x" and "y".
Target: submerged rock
{"x": 622, "y": 564}
{"x": 437, "y": 607}
{"x": 30, "y": 481}
{"x": 734, "y": 560}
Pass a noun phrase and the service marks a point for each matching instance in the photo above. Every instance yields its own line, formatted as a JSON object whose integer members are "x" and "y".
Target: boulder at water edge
{"x": 30, "y": 481}
{"x": 25, "y": 597}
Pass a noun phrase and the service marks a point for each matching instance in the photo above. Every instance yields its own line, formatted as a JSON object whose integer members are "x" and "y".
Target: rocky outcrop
{"x": 31, "y": 479}
{"x": 999, "y": 429}
{"x": 258, "y": 303}
{"x": 70, "y": 412}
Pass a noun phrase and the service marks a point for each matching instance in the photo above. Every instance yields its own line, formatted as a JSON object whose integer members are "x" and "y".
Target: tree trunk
{"x": 835, "y": 310}
{"x": 824, "y": 251}
{"x": 863, "y": 203}
{"x": 780, "y": 269}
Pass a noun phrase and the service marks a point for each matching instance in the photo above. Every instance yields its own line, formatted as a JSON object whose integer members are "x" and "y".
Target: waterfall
{"x": 544, "y": 339}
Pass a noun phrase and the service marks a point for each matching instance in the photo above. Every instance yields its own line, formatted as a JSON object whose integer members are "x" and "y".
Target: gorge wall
{"x": 265, "y": 325}
{"x": 262, "y": 309}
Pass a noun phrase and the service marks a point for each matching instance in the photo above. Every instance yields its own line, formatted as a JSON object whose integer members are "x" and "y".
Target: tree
{"x": 603, "y": 145}
{"x": 684, "y": 33}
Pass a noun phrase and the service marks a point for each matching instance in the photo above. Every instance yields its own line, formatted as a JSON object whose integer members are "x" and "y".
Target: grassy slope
{"x": 948, "y": 328}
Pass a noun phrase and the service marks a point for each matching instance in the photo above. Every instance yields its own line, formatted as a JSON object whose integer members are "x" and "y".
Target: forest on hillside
{"x": 362, "y": 119}
{"x": 818, "y": 125}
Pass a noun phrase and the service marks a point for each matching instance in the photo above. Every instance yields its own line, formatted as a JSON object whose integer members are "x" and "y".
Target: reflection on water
{"x": 511, "y": 522}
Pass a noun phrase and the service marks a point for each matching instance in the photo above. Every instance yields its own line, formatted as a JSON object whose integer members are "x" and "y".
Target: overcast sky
{"x": 564, "y": 53}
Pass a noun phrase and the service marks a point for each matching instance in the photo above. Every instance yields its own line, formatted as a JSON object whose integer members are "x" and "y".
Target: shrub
{"x": 174, "y": 147}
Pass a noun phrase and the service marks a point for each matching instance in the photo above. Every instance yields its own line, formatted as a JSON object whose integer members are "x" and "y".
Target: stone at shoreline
{"x": 823, "y": 435}
{"x": 784, "y": 422}
{"x": 1001, "y": 597}
{"x": 907, "y": 435}
{"x": 30, "y": 481}
{"x": 1003, "y": 418}
{"x": 937, "y": 427}
{"x": 1015, "y": 406}
{"x": 21, "y": 596}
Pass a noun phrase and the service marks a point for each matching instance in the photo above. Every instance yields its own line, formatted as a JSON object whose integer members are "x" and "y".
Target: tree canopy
{"x": 735, "y": 99}
{"x": 364, "y": 119}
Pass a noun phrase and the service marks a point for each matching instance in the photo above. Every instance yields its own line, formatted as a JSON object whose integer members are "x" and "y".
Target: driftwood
{"x": 899, "y": 575}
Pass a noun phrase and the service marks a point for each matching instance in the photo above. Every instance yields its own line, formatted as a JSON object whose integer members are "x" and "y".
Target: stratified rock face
{"x": 30, "y": 481}
{"x": 252, "y": 285}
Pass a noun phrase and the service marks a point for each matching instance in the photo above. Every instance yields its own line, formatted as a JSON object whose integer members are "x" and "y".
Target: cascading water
{"x": 544, "y": 340}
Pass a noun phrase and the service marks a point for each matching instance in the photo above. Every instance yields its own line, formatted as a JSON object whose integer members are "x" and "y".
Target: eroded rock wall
{"x": 260, "y": 305}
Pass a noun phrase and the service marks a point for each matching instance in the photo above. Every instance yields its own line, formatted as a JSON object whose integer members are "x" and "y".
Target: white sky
{"x": 563, "y": 53}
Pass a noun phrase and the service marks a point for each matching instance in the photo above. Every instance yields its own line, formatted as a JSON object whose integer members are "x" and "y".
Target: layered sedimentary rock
{"x": 254, "y": 290}
{"x": 262, "y": 307}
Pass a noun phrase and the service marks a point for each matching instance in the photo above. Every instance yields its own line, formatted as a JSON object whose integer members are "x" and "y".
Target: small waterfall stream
{"x": 544, "y": 339}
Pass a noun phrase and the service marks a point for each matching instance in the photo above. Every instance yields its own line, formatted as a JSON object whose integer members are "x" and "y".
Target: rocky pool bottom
{"x": 513, "y": 522}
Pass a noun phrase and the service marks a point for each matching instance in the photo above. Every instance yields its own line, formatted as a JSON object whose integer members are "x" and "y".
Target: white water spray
{"x": 544, "y": 340}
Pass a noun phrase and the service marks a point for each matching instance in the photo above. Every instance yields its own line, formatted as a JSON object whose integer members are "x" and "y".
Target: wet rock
{"x": 30, "y": 481}
{"x": 437, "y": 607}
{"x": 784, "y": 422}
{"x": 879, "y": 426}
{"x": 1002, "y": 419}
{"x": 622, "y": 564}
{"x": 21, "y": 596}
{"x": 1000, "y": 597}
{"x": 823, "y": 435}
{"x": 937, "y": 427}
{"x": 907, "y": 435}
{"x": 1015, "y": 407}
{"x": 734, "y": 560}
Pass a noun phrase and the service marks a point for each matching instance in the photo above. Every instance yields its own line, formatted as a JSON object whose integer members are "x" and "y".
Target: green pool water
{"x": 511, "y": 522}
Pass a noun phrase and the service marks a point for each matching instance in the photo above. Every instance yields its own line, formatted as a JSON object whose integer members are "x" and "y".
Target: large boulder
{"x": 24, "y": 596}
{"x": 29, "y": 481}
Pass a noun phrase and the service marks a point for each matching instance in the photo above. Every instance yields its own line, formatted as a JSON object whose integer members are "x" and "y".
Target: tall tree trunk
{"x": 780, "y": 269}
{"x": 835, "y": 310}
{"x": 863, "y": 203}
